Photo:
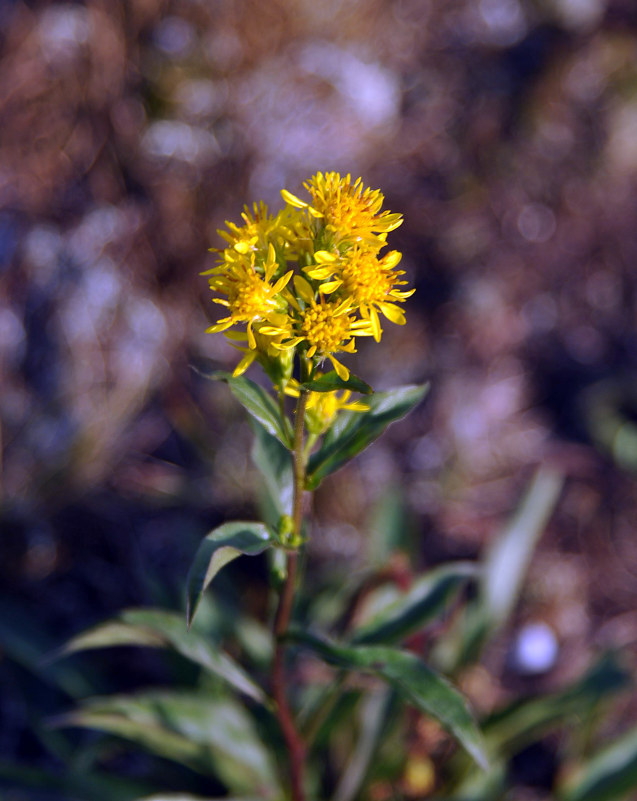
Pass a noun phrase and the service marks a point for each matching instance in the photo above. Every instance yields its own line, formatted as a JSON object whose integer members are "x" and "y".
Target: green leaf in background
{"x": 331, "y": 381}
{"x": 221, "y": 546}
{"x": 504, "y": 568}
{"x": 275, "y": 465}
{"x": 609, "y": 412}
{"x": 508, "y": 558}
{"x": 186, "y": 797}
{"x": 211, "y": 735}
{"x": 156, "y": 628}
{"x": 390, "y": 527}
{"x": 354, "y": 431}
{"x": 425, "y": 600}
{"x": 374, "y": 710}
{"x": 256, "y": 401}
{"x": 93, "y": 785}
{"x": 610, "y": 775}
{"x": 522, "y": 722}
{"x": 26, "y": 641}
{"x": 412, "y": 679}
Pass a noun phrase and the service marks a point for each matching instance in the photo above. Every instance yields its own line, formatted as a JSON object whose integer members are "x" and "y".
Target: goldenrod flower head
{"x": 347, "y": 211}
{"x": 322, "y": 408}
{"x": 250, "y": 295}
{"x": 372, "y": 284}
{"x": 323, "y": 326}
{"x": 261, "y": 229}
{"x": 340, "y": 285}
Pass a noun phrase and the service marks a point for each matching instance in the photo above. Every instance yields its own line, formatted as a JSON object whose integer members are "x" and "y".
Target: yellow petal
{"x": 293, "y": 200}
{"x": 393, "y": 313}
{"x": 243, "y": 246}
{"x": 252, "y": 343}
{"x": 318, "y": 273}
{"x": 330, "y": 286}
{"x": 303, "y": 289}
{"x": 341, "y": 371}
{"x": 282, "y": 282}
{"x": 220, "y": 326}
{"x": 356, "y": 406}
{"x": 244, "y": 363}
{"x": 324, "y": 257}
{"x": 373, "y": 316}
{"x": 392, "y": 259}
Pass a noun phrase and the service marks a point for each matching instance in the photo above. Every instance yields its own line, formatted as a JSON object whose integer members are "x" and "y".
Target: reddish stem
{"x": 295, "y": 745}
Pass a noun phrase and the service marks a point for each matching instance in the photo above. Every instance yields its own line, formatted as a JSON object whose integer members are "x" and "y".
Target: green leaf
{"x": 97, "y": 786}
{"x": 257, "y": 402}
{"x": 221, "y": 546}
{"x": 214, "y": 736}
{"x": 522, "y": 722}
{"x": 25, "y": 640}
{"x": 425, "y": 600}
{"x": 331, "y": 381}
{"x": 504, "y": 568}
{"x": 275, "y": 465}
{"x": 354, "y": 431}
{"x": 374, "y": 712}
{"x": 508, "y": 557}
{"x": 412, "y": 679}
{"x": 156, "y": 628}
{"x": 610, "y": 775}
{"x": 186, "y": 797}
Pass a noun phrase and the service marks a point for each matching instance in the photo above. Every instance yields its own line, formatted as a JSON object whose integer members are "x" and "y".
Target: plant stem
{"x": 294, "y": 743}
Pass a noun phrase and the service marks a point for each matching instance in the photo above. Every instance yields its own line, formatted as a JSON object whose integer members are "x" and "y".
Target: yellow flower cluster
{"x": 310, "y": 279}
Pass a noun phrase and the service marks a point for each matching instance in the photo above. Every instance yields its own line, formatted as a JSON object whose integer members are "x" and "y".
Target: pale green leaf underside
{"x": 610, "y": 775}
{"x": 425, "y": 600}
{"x": 217, "y": 549}
{"x": 214, "y": 736}
{"x": 157, "y": 628}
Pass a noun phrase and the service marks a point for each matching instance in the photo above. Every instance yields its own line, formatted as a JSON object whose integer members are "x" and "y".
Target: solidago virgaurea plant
{"x": 335, "y": 689}
{"x": 300, "y": 288}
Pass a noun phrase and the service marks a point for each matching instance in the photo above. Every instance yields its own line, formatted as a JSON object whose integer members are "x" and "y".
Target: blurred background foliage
{"x": 506, "y": 133}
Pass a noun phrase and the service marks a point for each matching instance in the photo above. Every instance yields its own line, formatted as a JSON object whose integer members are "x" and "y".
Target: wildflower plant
{"x": 300, "y": 289}
{"x": 379, "y": 720}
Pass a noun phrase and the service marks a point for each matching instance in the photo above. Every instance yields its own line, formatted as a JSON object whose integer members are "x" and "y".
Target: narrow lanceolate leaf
{"x": 275, "y": 464}
{"x": 374, "y": 711}
{"x": 412, "y": 679}
{"x": 156, "y": 628}
{"x": 611, "y": 775}
{"x": 354, "y": 431}
{"x": 212, "y": 735}
{"x": 221, "y": 546}
{"x": 28, "y": 781}
{"x": 511, "y": 729}
{"x": 504, "y": 569}
{"x": 331, "y": 381}
{"x": 426, "y": 599}
{"x": 508, "y": 558}
{"x": 186, "y": 797}
{"x": 256, "y": 401}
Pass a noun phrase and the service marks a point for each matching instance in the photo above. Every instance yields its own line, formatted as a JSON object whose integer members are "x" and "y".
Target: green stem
{"x": 295, "y": 745}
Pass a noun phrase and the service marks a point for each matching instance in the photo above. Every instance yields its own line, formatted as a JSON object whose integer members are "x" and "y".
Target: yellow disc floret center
{"x": 249, "y": 299}
{"x": 364, "y": 279}
{"x": 324, "y": 328}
